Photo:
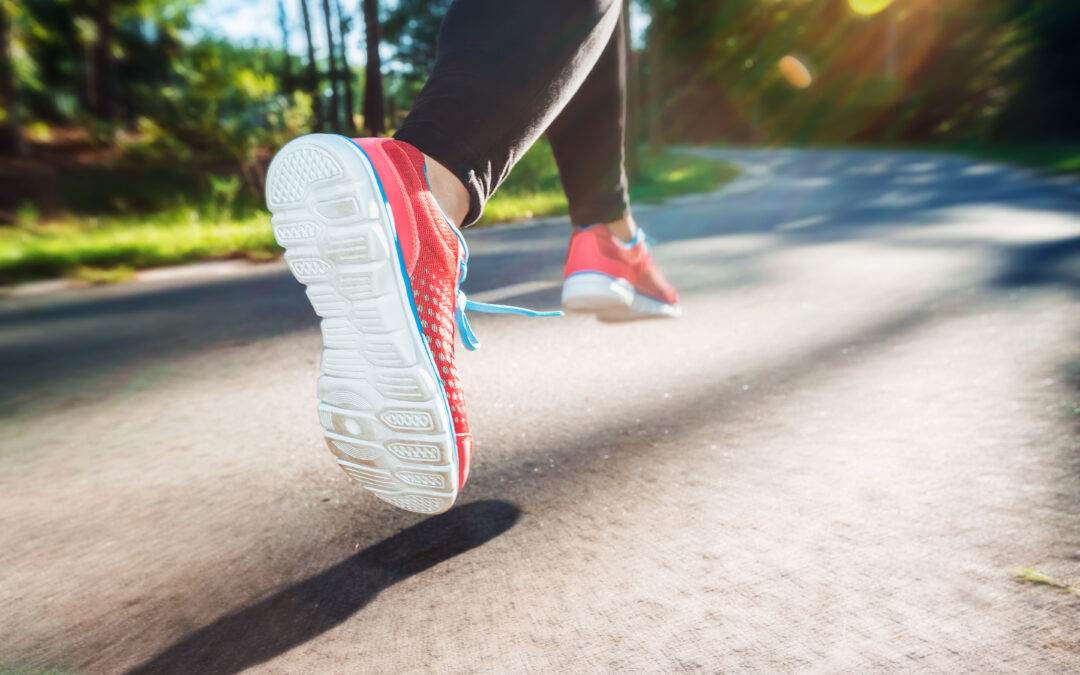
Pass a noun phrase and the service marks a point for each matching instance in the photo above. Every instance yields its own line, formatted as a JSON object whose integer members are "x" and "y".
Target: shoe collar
{"x": 639, "y": 236}
{"x": 462, "y": 303}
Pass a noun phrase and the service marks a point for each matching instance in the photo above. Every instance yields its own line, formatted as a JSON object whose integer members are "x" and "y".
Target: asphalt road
{"x": 865, "y": 421}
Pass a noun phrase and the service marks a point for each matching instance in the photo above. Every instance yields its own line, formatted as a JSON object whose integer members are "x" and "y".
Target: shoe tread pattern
{"x": 385, "y": 418}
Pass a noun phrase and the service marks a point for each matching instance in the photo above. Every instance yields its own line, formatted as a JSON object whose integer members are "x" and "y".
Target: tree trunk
{"x": 287, "y": 84}
{"x": 374, "y": 106}
{"x": 654, "y": 88}
{"x": 313, "y": 69}
{"x": 10, "y": 136}
{"x": 335, "y": 115}
{"x": 346, "y": 72}
{"x": 631, "y": 139}
{"x": 103, "y": 60}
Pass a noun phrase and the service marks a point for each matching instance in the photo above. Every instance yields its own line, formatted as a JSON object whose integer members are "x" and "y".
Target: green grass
{"x": 109, "y": 248}
{"x": 1034, "y": 576}
{"x": 670, "y": 175}
{"x": 504, "y": 208}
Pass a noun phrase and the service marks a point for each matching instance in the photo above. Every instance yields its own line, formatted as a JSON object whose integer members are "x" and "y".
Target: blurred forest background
{"x": 129, "y": 138}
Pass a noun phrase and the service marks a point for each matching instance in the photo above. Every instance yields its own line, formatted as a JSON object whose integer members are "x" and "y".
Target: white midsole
{"x": 611, "y": 299}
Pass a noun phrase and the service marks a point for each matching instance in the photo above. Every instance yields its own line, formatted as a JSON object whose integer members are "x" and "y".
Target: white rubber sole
{"x": 611, "y": 299}
{"x": 381, "y": 401}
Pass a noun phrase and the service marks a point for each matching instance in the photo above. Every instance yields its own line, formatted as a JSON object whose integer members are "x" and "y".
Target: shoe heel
{"x": 592, "y": 292}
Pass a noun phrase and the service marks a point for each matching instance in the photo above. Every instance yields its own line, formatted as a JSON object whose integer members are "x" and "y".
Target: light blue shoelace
{"x": 463, "y": 304}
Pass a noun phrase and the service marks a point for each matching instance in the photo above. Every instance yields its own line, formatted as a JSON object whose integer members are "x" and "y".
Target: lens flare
{"x": 793, "y": 70}
{"x": 869, "y": 6}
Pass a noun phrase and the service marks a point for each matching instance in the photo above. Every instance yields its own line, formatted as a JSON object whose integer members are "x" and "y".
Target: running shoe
{"x": 616, "y": 280}
{"x": 383, "y": 268}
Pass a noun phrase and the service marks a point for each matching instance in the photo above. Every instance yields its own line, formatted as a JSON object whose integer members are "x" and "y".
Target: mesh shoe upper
{"x": 433, "y": 257}
{"x": 596, "y": 249}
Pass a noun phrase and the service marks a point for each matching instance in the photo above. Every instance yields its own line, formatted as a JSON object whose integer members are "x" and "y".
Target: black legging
{"x": 506, "y": 71}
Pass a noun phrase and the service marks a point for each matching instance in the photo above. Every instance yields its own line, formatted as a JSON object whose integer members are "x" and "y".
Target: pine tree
{"x": 287, "y": 76}
{"x": 313, "y": 68}
{"x": 10, "y": 137}
{"x": 334, "y": 117}
{"x": 374, "y": 106}
{"x": 346, "y": 70}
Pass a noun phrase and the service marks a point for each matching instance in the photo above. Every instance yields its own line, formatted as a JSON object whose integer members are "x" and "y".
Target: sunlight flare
{"x": 795, "y": 72}
{"x": 869, "y": 6}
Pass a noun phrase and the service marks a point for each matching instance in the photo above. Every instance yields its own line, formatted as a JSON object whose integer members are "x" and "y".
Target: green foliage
{"x": 179, "y": 98}
{"x": 923, "y": 72}
{"x": 1046, "y": 75}
{"x": 535, "y": 172}
{"x": 671, "y": 174}
{"x": 964, "y": 70}
{"x": 412, "y": 27}
{"x": 27, "y": 216}
{"x": 147, "y": 188}
{"x": 228, "y": 105}
{"x": 223, "y": 193}
{"x": 57, "y": 42}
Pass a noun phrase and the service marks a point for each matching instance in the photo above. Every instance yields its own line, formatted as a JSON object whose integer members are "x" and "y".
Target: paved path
{"x": 866, "y": 419}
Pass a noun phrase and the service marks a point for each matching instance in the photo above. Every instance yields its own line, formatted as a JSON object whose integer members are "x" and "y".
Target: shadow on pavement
{"x": 305, "y": 610}
{"x": 311, "y": 607}
{"x": 1042, "y": 263}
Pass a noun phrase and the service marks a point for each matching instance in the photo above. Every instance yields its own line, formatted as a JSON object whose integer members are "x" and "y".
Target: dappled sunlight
{"x": 716, "y": 246}
{"x": 920, "y": 167}
{"x": 802, "y": 223}
{"x": 919, "y": 179}
{"x": 899, "y": 199}
{"x": 811, "y": 183}
{"x": 871, "y": 169}
{"x": 983, "y": 169}
{"x": 869, "y": 6}
{"x": 994, "y": 224}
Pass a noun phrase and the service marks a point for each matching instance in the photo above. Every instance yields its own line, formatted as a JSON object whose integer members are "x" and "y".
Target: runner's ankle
{"x": 624, "y": 229}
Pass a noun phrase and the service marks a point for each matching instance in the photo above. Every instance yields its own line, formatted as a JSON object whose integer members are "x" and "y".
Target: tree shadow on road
{"x": 311, "y": 607}
{"x": 1042, "y": 263}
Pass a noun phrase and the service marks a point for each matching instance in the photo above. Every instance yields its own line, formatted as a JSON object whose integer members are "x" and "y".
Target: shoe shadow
{"x": 307, "y": 609}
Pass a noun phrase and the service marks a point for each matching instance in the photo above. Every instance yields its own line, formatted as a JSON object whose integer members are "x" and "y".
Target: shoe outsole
{"x": 381, "y": 401}
{"x": 610, "y": 299}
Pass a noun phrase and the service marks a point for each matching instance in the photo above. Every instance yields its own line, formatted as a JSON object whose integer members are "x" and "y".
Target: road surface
{"x": 865, "y": 422}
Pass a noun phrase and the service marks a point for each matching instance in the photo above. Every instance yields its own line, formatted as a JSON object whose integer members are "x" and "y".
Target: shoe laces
{"x": 462, "y": 304}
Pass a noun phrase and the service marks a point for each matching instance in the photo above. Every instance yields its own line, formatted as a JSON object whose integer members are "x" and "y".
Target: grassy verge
{"x": 105, "y": 250}
{"x": 111, "y": 248}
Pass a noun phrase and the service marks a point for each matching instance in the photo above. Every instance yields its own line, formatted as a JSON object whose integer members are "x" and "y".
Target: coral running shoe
{"x": 383, "y": 268}
{"x": 615, "y": 280}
